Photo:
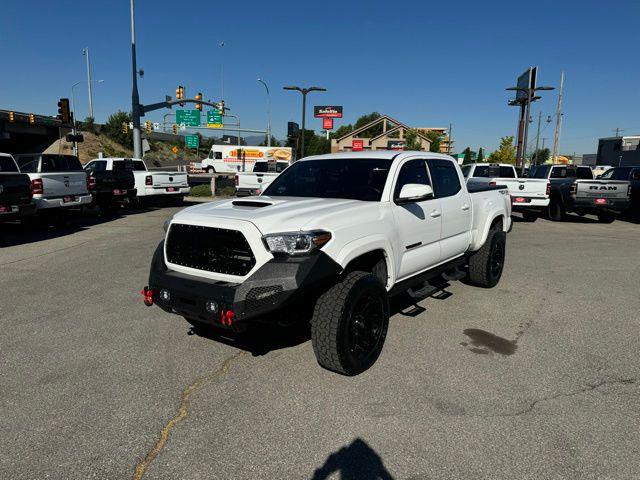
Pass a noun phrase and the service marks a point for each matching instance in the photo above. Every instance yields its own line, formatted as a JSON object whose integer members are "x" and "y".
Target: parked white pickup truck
{"x": 150, "y": 184}
{"x": 57, "y": 181}
{"x": 254, "y": 183}
{"x": 530, "y": 196}
{"x": 337, "y": 233}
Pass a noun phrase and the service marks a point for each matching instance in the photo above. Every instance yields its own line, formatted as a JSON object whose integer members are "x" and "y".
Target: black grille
{"x": 262, "y": 297}
{"x": 212, "y": 249}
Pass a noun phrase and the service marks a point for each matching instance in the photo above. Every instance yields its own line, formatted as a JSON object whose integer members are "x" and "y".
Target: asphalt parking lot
{"x": 536, "y": 378}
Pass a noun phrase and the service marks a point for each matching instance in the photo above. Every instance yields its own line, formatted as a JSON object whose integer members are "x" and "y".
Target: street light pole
{"x": 556, "y": 135}
{"x": 304, "y": 92}
{"x": 135, "y": 97}
{"x": 85, "y": 52}
{"x": 268, "y": 112}
{"x": 73, "y": 110}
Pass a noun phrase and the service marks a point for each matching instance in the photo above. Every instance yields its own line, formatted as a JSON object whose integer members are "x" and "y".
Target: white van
{"x": 233, "y": 159}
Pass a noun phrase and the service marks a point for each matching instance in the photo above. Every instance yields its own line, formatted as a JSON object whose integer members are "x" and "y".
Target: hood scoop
{"x": 250, "y": 203}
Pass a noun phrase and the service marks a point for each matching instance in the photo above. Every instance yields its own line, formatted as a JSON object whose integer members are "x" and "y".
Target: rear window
{"x": 60, "y": 163}
{"x": 493, "y": 171}
{"x": 261, "y": 167}
{"x": 541, "y": 171}
{"x": 7, "y": 164}
{"x": 129, "y": 164}
{"x": 28, "y": 163}
{"x": 584, "y": 173}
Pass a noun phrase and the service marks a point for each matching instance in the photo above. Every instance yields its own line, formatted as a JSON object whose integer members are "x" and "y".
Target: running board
{"x": 426, "y": 291}
{"x": 454, "y": 275}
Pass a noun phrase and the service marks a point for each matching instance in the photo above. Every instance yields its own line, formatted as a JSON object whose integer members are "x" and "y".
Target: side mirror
{"x": 414, "y": 192}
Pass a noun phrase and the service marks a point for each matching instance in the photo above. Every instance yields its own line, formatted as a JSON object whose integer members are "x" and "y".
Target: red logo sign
{"x": 327, "y": 123}
{"x": 357, "y": 145}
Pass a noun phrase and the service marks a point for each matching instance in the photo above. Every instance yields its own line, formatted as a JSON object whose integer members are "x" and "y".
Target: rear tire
{"x": 529, "y": 216}
{"x": 556, "y": 211}
{"x": 211, "y": 170}
{"x": 486, "y": 264}
{"x": 349, "y": 324}
{"x": 606, "y": 217}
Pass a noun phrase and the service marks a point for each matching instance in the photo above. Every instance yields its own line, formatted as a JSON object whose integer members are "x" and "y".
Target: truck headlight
{"x": 296, "y": 243}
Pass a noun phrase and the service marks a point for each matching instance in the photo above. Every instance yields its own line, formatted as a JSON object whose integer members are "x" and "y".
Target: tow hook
{"x": 226, "y": 317}
{"x": 147, "y": 293}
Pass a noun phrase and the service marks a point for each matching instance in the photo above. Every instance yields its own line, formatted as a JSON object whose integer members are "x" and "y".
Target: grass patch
{"x": 201, "y": 191}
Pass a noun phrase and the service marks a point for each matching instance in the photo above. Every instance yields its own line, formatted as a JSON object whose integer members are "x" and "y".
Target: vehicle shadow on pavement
{"x": 356, "y": 461}
{"x": 570, "y": 218}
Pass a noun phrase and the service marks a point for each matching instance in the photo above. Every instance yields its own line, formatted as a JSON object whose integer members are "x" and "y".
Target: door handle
{"x": 465, "y": 207}
{"x": 435, "y": 214}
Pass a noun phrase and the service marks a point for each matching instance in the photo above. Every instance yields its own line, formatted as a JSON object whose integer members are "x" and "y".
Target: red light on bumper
{"x": 601, "y": 201}
{"x": 226, "y": 317}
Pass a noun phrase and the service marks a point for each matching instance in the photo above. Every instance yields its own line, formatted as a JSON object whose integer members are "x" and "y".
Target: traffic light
{"x": 221, "y": 107}
{"x": 64, "y": 112}
{"x": 147, "y": 126}
{"x": 125, "y": 127}
{"x": 12, "y": 117}
{"x": 175, "y": 129}
{"x": 199, "y": 105}
{"x": 32, "y": 118}
{"x": 180, "y": 94}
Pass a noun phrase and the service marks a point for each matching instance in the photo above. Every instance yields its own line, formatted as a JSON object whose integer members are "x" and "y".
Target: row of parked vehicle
{"x": 556, "y": 190}
{"x": 42, "y": 184}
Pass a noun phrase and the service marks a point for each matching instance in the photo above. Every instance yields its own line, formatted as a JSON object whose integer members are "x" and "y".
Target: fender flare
{"x": 361, "y": 246}
{"x": 493, "y": 214}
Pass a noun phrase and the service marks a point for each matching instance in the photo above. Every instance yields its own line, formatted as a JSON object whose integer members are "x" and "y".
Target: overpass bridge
{"x": 22, "y": 132}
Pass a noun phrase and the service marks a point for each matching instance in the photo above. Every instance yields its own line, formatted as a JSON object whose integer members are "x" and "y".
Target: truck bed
{"x": 483, "y": 187}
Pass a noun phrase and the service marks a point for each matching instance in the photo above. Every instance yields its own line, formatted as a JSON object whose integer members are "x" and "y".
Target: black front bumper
{"x": 275, "y": 285}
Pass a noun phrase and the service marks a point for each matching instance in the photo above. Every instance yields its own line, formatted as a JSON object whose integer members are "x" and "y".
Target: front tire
{"x": 349, "y": 324}
{"x": 211, "y": 170}
{"x": 486, "y": 264}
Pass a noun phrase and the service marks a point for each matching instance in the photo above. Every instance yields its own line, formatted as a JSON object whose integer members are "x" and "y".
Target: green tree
{"x": 480, "y": 155}
{"x": 435, "y": 140}
{"x": 467, "y": 156}
{"x": 506, "y": 152}
{"x": 540, "y": 156}
{"x": 113, "y": 128}
{"x": 274, "y": 142}
{"x": 342, "y": 130}
{"x": 411, "y": 140}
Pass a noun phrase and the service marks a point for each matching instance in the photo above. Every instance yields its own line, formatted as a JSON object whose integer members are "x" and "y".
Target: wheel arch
{"x": 494, "y": 219}
{"x": 364, "y": 253}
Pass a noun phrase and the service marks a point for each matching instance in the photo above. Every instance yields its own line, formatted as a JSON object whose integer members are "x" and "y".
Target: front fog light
{"x": 165, "y": 296}
{"x": 211, "y": 306}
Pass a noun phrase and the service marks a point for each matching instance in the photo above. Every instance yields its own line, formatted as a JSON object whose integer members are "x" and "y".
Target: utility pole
{"x": 135, "y": 97}
{"x": 556, "y": 135}
{"x": 304, "y": 92}
{"x": 450, "y": 146}
{"x": 268, "y": 112}
{"x": 85, "y": 52}
{"x": 618, "y": 130}
{"x": 537, "y": 152}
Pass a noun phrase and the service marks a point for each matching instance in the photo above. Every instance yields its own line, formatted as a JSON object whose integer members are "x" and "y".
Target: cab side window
{"x": 444, "y": 174}
{"x": 413, "y": 171}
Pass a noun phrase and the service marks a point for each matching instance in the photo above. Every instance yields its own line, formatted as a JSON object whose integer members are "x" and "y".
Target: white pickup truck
{"x": 57, "y": 181}
{"x": 149, "y": 185}
{"x": 254, "y": 183}
{"x": 336, "y": 233}
{"x": 530, "y": 196}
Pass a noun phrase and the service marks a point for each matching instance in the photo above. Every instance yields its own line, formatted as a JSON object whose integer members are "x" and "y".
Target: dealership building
{"x": 383, "y": 133}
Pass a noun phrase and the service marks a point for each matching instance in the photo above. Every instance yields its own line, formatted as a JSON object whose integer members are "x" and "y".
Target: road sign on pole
{"x": 192, "y": 141}
{"x": 190, "y": 118}
{"x": 214, "y": 119}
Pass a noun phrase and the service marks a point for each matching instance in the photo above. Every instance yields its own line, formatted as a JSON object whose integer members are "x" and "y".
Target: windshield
{"x": 128, "y": 164}
{"x": 351, "y": 178}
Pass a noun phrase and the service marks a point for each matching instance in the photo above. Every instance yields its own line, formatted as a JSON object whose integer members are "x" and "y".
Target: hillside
{"x": 161, "y": 153}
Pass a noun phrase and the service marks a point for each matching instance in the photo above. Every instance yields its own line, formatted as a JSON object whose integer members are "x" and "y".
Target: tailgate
{"x": 527, "y": 187}
{"x": 114, "y": 179}
{"x": 168, "y": 179}
{"x": 15, "y": 189}
{"x": 609, "y": 189}
{"x": 59, "y": 184}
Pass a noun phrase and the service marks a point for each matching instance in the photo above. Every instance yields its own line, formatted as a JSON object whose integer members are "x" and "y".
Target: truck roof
{"x": 487, "y": 164}
{"x": 377, "y": 155}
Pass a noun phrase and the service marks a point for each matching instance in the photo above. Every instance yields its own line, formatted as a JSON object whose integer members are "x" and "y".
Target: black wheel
{"x": 211, "y": 170}
{"x": 606, "y": 217}
{"x": 486, "y": 264}
{"x": 555, "y": 210}
{"x": 529, "y": 216}
{"x": 349, "y": 324}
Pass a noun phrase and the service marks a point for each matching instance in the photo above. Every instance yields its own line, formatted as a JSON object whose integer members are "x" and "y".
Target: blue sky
{"x": 424, "y": 63}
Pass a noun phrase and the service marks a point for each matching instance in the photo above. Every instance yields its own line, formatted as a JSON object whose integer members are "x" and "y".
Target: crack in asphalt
{"x": 588, "y": 388}
{"x": 45, "y": 254}
{"x": 181, "y": 414}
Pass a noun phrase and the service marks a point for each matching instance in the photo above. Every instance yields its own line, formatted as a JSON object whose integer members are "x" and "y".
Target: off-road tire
{"x": 333, "y": 316}
{"x": 556, "y": 211}
{"x": 606, "y": 217}
{"x": 482, "y": 272}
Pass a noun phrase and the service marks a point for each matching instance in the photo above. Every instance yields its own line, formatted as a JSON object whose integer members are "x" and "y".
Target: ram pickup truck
{"x": 254, "y": 183}
{"x": 151, "y": 185}
{"x": 58, "y": 182}
{"x": 573, "y": 189}
{"x": 110, "y": 189}
{"x": 530, "y": 196}
{"x": 340, "y": 233}
{"x": 632, "y": 174}
{"x": 15, "y": 190}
